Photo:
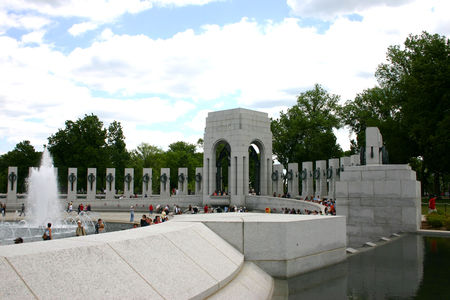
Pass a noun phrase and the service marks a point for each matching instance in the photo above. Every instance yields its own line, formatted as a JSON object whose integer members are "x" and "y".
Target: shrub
{"x": 436, "y": 220}
{"x": 447, "y": 223}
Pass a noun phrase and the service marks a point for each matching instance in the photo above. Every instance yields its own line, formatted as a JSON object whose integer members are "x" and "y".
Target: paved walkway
{"x": 121, "y": 217}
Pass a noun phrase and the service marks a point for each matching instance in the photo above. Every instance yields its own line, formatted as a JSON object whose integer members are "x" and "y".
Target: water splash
{"x": 43, "y": 203}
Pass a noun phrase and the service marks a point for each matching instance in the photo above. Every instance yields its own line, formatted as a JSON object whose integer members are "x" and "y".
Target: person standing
{"x": 150, "y": 209}
{"x": 22, "y": 210}
{"x": 432, "y": 204}
{"x": 80, "y": 229}
{"x": 131, "y": 213}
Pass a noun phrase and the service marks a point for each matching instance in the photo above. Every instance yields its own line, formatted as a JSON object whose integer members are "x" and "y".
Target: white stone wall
{"x": 166, "y": 261}
{"x": 259, "y": 203}
{"x": 378, "y": 200}
{"x": 282, "y": 245}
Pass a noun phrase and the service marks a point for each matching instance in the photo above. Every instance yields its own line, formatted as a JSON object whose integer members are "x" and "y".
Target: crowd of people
{"x": 162, "y": 213}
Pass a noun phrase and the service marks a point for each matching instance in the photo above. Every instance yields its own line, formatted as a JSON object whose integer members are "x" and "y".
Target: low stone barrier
{"x": 167, "y": 261}
{"x": 282, "y": 245}
{"x": 261, "y": 202}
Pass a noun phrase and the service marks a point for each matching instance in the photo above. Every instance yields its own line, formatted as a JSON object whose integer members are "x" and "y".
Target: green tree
{"x": 117, "y": 153}
{"x": 147, "y": 156}
{"x": 305, "y": 131}
{"x": 375, "y": 108}
{"x": 183, "y": 155}
{"x": 80, "y": 144}
{"x": 419, "y": 77}
{"x": 22, "y": 156}
{"x": 411, "y": 106}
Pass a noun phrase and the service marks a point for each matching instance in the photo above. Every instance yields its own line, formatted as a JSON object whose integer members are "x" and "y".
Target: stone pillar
{"x": 147, "y": 181}
{"x": 345, "y": 162}
{"x": 11, "y": 192}
{"x": 333, "y": 172}
{"x": 128, "y": 184}
{"x": 238, "y": 198}
{"x": 182, "y": 181}
{"x": 277, "y": 179}
{"x": 72, "y": 178}
{"x": 199, "y": 181}
{"x": 110, "y": 183}
{"x": 320, "y": 176}
{"x": 355, "y": 160}
{"x": 307, "y": 179}
{"x": 292, "y": 179}
{"x": 91, "y": 184}
{"x": 164, "y": 181}
{"x": 374, "y": 142}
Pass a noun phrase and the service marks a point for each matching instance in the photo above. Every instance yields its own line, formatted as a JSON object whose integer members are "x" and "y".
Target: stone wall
{"x": 167, "y": 261}
{"x": 260, "y": 203}
{"x": 282, "y": 245}
{"x": 378, "y": 200}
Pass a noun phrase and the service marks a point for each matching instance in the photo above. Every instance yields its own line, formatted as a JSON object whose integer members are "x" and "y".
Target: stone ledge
{"x": 191, "y": 262}
{"x": 277, "y": 237}
{"x": 250, "y": 283}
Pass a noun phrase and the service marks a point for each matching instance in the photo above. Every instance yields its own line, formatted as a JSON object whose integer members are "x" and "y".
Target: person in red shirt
{"x": 205, "y": 209}
{"x": 432, "y": 204}
{"x": 81, "y": 207}
{"x": 150, "y": 209}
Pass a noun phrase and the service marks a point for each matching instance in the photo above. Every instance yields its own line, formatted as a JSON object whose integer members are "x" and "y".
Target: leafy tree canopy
{"x": 411, "y": 106}
{"x": 305, "y": 131}
{"x": 22, "y": 156}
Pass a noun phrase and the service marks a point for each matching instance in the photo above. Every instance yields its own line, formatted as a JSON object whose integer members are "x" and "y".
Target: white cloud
{"x": 27, "y": 21}
{"x": 261, "y": 66}
{"x": 198, "y": 122}
{"x": 328, "y": 9}
{"x": 98, "y": 11}
{"x": 80, "y": 28}
{"x": 33, "y": 37}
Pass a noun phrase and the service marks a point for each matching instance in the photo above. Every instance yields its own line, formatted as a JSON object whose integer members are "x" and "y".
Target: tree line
{"x": 410, "y": 105}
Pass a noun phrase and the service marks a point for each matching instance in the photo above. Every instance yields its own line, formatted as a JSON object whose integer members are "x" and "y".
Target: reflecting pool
{"x": 412, "y": 267}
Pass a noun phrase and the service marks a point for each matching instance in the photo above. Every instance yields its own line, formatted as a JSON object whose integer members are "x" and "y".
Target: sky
{"x": 159, "y": 66}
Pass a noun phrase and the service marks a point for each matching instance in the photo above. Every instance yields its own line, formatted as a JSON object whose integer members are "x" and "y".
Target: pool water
{"x": 412, "y": 267}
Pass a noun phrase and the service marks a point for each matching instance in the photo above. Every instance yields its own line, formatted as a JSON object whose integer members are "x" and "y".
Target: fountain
{"x": 44, "y": 206}
{"x": 43, "y": 194}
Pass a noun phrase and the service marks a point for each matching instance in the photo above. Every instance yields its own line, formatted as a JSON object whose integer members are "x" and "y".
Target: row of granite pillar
{"x": 324, "y": 176}
{"x": 110, "y": 191}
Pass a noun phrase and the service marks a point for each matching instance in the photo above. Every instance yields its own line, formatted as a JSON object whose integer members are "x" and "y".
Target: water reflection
{"x": 413, "y": 267}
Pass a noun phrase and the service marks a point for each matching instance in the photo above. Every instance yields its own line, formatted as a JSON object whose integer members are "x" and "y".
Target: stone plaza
{"x": 215, "y": 255}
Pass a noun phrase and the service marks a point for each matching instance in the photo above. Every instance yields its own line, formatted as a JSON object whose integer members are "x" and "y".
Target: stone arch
{"x": 239, "y": 128}
{"x": 222, "y": 153}
{"x": 256, "y": 166}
